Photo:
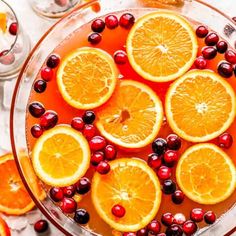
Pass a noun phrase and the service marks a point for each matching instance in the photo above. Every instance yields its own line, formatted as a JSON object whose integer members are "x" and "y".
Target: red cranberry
{"x": 47, "y": 74}
{"x": 173, "y": 142}
{"x": 201, "y": 31}
{"x": 83, "y": 186}
{"x": 53, "y": 61}
{"x": 174, "y": 230}
{"x": 77, "y": 123}
{"x": 56, "y": 194}
{"x": 98, "y": 25}
{"x": 97, "y": 143}
{"x": 179, "y": 219}
{"x": 13, "y": 28}
{"x": 210, "y": 217}
{"x": 154, "y": 161}
{"x": 96, "y": 158}
{"x": 230, "y": 56}
{"x": 48, "y": 120}
{"x": 200, "y": 63}
{"x": 110, "y": 152}
{"x": 142, "y": 232}
{"x": 103, "y": 168}
{"x": 225, "y": 69}
{"x": 89, "y": 131}
{"x": 164, "y": 172}
{"x": 129, "y": 234}
{"x": 225, "y": 140}
{"x": 159, "y": 146}
{"x": 171, "y": 157}
{"x": 127, "y": 20}
{"x": 197, "y": 214}
{"x": 222, "y": 46}
{"x": 36, "y": 131}
{"x": 169, "y": 186}
{"x": 36, "y": 109}
{"x": 211, "y": 39}
{"x": 89, "y": 117}
{"x": 61, "y": 3}
{"x": 40, "y": 86}
{"x": 69, "y": 191}
{"x": 81, "y": 216}
{"x": 118, "y": 211}
{"x": 189, "y": 227}
{"x": 167, "y": 219}
{"x": 154, "y": 226}
{"x": 120, "y": 57}
{"x": 95, "y": 38}
{"x": 111, "y": 21}
{"x": 68, "y": 205}
{"x": 41, "y": 226}
{"x": 209, "y": 53}
{"x": 177, "y": 197}
{"x": 7, "y": 57}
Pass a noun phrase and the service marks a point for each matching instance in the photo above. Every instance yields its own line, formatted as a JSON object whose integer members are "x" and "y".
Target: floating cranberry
{"x": 177, "y": 197}
{"x": 111, "y": 21}
{"x": 53, "y": 61}
{"x": 95, "y": 38}
{"x": 40, "y": 86}
{"x": 222, "y": 46}
{"x": 210, "y": 217}
{"x": 159, "y": 146}
{"x": 36, "y": 131}
{"x": 197, "y": 214}
{"x": 164, "y": 172}
{"x": 120, "y": 57}
{"x": 7, "y": 57}
{"x": 173, "y": 142}
{"x": 81, "y": 216}
{"x": 13, "y": 28}
{"x": 41, "y": 226}
{"x": 230, "y": 56}
{"x": 56, "y": 194}
{"x": 171, "y": 157}
{"x": 48, "y": 120}
{"x": 189, "y": 227}
{"x": 110, "y": 152}
{"x": 98, "y": 25}
{"x": 129, "y": 234}
{"x": 209, "y": 52}
{"x": 211, "y": 39}
{"x": 174, "y": 230}
{"x": 36, "y": 109}
{"x": 118, "y": 211}
{"x": 154, "y": 161}
{"x": 103, "y": 168}
{"x": 225, "y": 140}
{"x": 169, "y": 186}
{"x": 167, "y": 219}
{"x": 200, "y": 63}
{"x": 179, "y": 219}
{"x": 77, "y": 123}
{"x": 83, "y": 186}
{"x": 142, "y": 232}
{"x": 47, "y": 74}
{"x": 97, "y": 143}
{"x": 225, "y": 69}
{"x": 154, "y": 226}
{"x": 89, "y": 131}
{"x": 96, "y": 158}
{"x": 68, "y": 205}
{"x": 127, "y": 20}
{"x": 89, "y": 117}
{"x": 69, "y": 191}
{"x": 201, "y": 31}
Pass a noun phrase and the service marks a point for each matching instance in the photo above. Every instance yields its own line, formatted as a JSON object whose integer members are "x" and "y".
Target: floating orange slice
{"x": 132, "y": 184}
{"x": 200, "y": 106}
{"x": 61, "y": 156}
{"x": 132, "y": 117}
{"x": 206, "y": 174}
{"x": 87, "y": 78}
{"x": 4, "y": 229}
{"x": 3, "y": 22}
{"x": 162, "y": 46}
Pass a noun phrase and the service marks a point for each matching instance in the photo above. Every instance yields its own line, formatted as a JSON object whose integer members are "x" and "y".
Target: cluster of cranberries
{"x": 213, "y": 46}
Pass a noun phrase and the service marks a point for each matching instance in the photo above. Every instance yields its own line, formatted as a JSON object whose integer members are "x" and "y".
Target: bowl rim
{"x": 14, "y": 97}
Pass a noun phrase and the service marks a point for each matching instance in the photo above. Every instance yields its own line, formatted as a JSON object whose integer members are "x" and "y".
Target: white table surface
{"x": 36, "y": 27}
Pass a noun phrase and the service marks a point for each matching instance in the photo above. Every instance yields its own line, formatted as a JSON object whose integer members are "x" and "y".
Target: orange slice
{"x": 87, "y": 78}
{"x": 132, "y": 117}
{"x": 140, "y": 196}
{"x": 4, "y": 229}
{"x": 200, "y": 106}
{"x": 61, "y": 156}
{"x": 3, "y": 22}
{"x": 162, "y": 46}
{"x": 206, "y": 174}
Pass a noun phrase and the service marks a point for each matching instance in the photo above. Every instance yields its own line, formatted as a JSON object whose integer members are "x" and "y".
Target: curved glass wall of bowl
{"x": 53, "y": 8}
{"x": 195, "y": 9}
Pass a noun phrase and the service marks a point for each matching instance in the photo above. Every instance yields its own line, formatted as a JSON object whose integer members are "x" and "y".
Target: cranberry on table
{"x": 171, "y": 157}
{"x": 69, "y": 191}
{"x": 169, "y": 186}
{"x": 98, "y": 25}
{"x": 41, "y": 226}
{"x": 142, "y": 232}
{"x": 209, "y": 52}
{"x": 95, "y": 38}
{"x": 36, "y": 109}
{"x": 48, "y": 120}
{"x": 103, "y": 167}
{"x": 56, "y": 194}
{"x": 36, "y": 131}
{"x": 77, "y": 123}
{"x": 154, "y": 226}
{"x": 53, "y": 61}
{"x": 225, "y": 69}
{"x": 222, "y": 47}
{"x": 89, "y": 131}
{"x": 154, "y": 161}
{"x": 81, "y": 216}
{"x": 189, "y": 227}
{"x": 177, "y": 197}
{"x": 110, "y": 152}
{"x": 40, "y": 86}
{"x": 173, "y": 142}
{"x": 68, "y": 205}
{"x": 83, "y": 186}
{"x": 118, "y": 211}
{"x": 159, "y": 146}
{"x": 167, "y": 219}
{"x": 96, "y": 158}
{"x": 47, "y": 74}
{"x": 202, "y": 31}
{"x": 111, "y": 21}
{"x": 7, "y": 57}
{"x": 211, "y": 39}
{"x": 210, "y": 217}
{"x": 174, "y": 230}
{"x": 97, "y": 143}
{"x": 13, "y": 28}
{"x": 225, "y": 140}
{"x": 230, "y": 56}
{"x": 200, "y": 63}
{"x": 120, "y": 57}
{"x": 89, "y": 117}
{"x": 164, "y": 173}
{"x": 179, "y": 218}
{"x": 197, "y": 214}
{"x": 127, "y": 20}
